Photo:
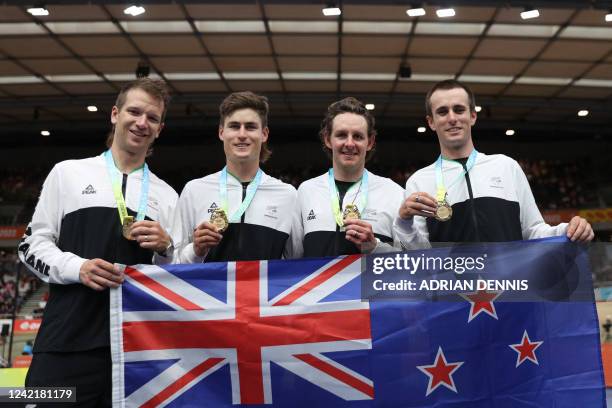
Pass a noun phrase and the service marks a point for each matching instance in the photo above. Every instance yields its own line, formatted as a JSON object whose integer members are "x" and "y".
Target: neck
{"x": 244, "y": 171}
{"x": 126, "y": 161}
{"x": 343, "y": 174}
{"x": 458, "y": 153}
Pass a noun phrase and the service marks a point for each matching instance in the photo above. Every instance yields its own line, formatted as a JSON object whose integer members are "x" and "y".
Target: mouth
{"x": 453, "y": 130}
{"x": 138, "y": 134}
{"x": 242, "y": 145}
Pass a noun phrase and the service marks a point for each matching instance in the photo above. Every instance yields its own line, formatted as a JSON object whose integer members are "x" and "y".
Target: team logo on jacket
{"x": 311, "y": 216}
{"x": 496, "y": 182}
{"x": 89, "y": 190}
{"x": 212, "y": 208}
{"x": 271, "y": 212}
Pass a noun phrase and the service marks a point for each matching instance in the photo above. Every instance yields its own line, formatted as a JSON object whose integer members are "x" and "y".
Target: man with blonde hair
{"x": 94, "y": 213}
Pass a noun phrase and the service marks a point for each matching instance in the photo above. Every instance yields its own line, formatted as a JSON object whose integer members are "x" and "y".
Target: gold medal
{"x": 444, "y": 211}
{"x": 128, "y": 220}
{"x": 218, "y": 218}
{"x": 351, "y": 212}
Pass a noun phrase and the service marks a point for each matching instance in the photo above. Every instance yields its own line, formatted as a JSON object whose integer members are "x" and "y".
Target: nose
{"x": 452, "y": 117}
{"x": 242, "y": 131}
{"x": 141, "y": 121}
{"x": 350, "y": 141}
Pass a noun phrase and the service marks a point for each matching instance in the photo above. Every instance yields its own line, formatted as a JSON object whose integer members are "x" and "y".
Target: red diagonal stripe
{"x": 313, "y": 283}
{"x": 338, "y": 374}
{"x": 160, "y": 289}
{"x": 181, "y": 382}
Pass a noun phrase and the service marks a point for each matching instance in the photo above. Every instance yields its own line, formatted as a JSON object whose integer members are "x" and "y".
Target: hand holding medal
{"x": 150, "y": 235}
{"x": 419, "y": 203}
{"x": 360, "y": 233}
{"x": 207, "y": 235}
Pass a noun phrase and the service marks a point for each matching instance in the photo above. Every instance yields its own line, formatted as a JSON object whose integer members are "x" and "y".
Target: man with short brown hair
{"x": 240, "y": 212}
{"x": 468, "y": 196}
{"x": 94, "y": 213}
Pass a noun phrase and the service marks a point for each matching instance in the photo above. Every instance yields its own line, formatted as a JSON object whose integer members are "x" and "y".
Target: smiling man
{"x": 91, "y": 214}
{"x": 468, "y": 196}
{"x": 238, "y": 213}
{"x": 347, "y": 210}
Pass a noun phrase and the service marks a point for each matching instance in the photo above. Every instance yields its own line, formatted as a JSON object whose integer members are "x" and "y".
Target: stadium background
{"x": 531, "y": 79}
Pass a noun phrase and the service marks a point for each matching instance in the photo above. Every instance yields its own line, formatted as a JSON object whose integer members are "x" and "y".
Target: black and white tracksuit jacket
{"x": 76, "y": 219}
{"x": 314, "y": 219}
{"x": 491, "y": 203}
{"x": 263, "y": 231}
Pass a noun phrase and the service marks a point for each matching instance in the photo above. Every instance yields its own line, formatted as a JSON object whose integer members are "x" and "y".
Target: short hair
{"x": 247, "y": 100}
{"x": 447, "y": 85}
{"x": 346, "y": 105}
{"x": 156, "y": 88}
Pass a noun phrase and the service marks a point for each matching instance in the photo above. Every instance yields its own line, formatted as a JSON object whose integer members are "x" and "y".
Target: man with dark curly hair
{"x": 347, "y": 210}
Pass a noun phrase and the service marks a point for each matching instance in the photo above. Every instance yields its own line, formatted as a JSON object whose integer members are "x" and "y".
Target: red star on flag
{"x": 440, "y": 373}
{"x": 526, "y": 350}
{"x": 481, "y": 302}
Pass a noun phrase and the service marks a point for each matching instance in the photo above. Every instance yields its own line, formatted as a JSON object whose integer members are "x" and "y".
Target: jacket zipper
{"x": 472, "y": 206}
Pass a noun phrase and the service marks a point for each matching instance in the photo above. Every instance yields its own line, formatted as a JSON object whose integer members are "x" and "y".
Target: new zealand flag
{"x": 297, "y": 334}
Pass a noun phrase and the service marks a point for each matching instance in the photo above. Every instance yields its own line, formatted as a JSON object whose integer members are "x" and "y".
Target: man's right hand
{"x": 418, "y": 203}
{"x": 99, "y": 274}
{"x": 205, "y": 236}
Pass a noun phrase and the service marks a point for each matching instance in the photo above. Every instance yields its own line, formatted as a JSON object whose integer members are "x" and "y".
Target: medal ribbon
{"x": 335, "y": 201}
{"x": 251, "y": 190}
{"x": 113, "y": 172}
{"x": 441, "y": 189}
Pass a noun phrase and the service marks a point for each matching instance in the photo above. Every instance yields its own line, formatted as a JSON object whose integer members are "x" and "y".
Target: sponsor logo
{"x": 89, "y": 190}
{"x": 311, "y": 216}
{"x": 212, "y": 207}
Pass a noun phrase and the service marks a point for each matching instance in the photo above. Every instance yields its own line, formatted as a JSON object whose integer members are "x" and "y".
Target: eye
{"x": 442, "y": 111}
{"x": 154, "y": 119}
{"x": 459, "y": 109}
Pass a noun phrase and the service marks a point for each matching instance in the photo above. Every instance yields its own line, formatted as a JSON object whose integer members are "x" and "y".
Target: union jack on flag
{"x": 182, "y": 324}
{"x": 296, "y": 333}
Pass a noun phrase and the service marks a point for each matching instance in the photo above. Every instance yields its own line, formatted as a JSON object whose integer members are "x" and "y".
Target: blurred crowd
{"x": 27, "y": 284}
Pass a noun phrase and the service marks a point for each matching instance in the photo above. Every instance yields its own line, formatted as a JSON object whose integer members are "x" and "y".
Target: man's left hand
{"x": 150, "y": 235}
{"x": 360, "y": 233}
{"x": 580, "y": 230}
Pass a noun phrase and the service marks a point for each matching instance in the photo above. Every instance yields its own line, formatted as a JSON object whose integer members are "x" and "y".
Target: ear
{"x": 114, "y": 115}
{"x": 473, "y": 116}
{"x": 161, "y": 127}
{"x": 430, "y": 122}
{"x": 371, "y": 142}
{"x": 265, "y": 133}
{"x": 326, "y": 138}
{"x": 221, "y": 132}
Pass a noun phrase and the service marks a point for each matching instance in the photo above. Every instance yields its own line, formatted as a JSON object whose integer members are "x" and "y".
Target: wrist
{"x": 167, "y": 249}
